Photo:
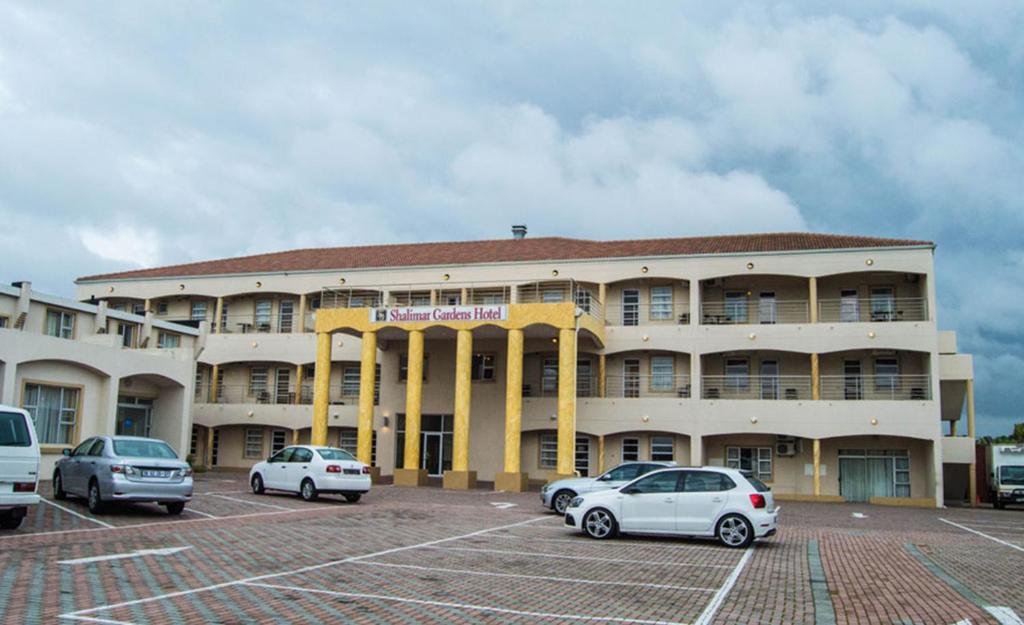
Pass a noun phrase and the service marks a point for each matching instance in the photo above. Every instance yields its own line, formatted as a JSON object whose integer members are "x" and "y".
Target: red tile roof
{"x": 506, "y": 250}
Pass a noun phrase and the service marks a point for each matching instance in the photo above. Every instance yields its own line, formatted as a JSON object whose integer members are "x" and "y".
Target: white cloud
{"x": 125, "y": 244}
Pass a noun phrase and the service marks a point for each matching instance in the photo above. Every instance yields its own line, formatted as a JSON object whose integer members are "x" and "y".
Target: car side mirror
{"x": 629, "y": 490}
{"x": 66, "y": 451}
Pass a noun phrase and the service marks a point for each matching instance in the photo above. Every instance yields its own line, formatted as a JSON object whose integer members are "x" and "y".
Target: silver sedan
{"x": 106, "y": 469}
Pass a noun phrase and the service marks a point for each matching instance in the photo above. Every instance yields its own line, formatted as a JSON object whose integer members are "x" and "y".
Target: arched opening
{"x": 65, "y": 399}
{"x": 152, "y": 406}
{"x": 648, "y": 300}
{"x": 872, "y": 296}
{"x": 756, "y": 374}
{"x": 755, "y": 299}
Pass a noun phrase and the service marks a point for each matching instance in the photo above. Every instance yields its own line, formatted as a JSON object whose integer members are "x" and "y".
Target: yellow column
{"x": 321, "y": 388}
{"x": 209, "y": 447}
{"x": 566, "y": 401}
{"x": 600, "y": 454}
{"x": 460, "y": 476}
{"x": 602, "y": 375}
{"x": 972, "y": 470}
{"x": 367, "y": 381}
{"x": 464, "y": 296}
{"x": 217, "y": 312}
{"x": 214, "y": 376}
{"x": 812, "y": 289}
{"x": 512, "y": 478}
{"x": 817, "y": 467}
{"x": 412, "y": 474}
{"x": 433, "y": 297}
{"x": 301, "y": 325}
{"x": 298, "y": 385}
{"x": 815, "y": 377}
{"x": 295, "y": 437}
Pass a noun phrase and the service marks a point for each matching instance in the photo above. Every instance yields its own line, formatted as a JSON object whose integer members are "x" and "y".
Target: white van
{"x": 19, "y": 466}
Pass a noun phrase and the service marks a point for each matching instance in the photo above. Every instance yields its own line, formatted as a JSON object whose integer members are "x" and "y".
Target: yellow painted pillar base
{"x": 459, "y": 480}
{"x": 972, "y": 484}
{"x": 512, "y": 482}
{"x": 411, "y": 477}
{"x": 816, "y": 450}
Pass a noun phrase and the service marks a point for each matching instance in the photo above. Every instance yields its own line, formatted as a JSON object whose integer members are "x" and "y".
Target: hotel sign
{"x": 405, "y": 314}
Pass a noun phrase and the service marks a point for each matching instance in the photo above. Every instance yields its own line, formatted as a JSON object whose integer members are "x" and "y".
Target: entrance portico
{"x": 516, "y": 323}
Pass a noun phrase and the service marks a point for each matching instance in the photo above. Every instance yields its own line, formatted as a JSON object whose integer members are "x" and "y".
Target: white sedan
{"x": 709, "y": 501}
{"x": 310, "y": 471}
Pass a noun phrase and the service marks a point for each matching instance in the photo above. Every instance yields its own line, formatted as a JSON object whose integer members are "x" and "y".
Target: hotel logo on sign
{"x": 403, "y": 314}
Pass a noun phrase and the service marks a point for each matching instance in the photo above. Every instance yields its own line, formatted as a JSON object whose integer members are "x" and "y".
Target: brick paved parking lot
{"x": 433, "y": 556}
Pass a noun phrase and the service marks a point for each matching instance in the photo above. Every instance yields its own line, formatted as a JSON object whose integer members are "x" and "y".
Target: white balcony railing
{"x": 259, "y": 323}
{"x": 637, "y": 385}
{"x": 754, "y": 312}
{"x": 245, "y": 394}
{"x": 764, "y": 387}
{"x": 852, "y": 310}
{"x": 671, "y": 313}
{"x": 876, "y": 387}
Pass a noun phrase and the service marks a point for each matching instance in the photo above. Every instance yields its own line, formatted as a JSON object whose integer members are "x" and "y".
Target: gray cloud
{"x": 164, "y": 133}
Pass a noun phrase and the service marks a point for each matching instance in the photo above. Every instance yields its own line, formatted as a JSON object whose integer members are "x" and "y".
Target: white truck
{"x": 19, "y": 466}
{"x": 1006, "y": 474}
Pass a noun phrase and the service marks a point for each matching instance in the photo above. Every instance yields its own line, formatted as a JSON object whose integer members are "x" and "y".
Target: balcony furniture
{"x": 286, "y": 398}
{"x": 263, "y": 327}
{"x": 791, "y": 393}
{"x": 715, "y": 320}
{"x": 245, "y": 326}
{"x": 683, "y": 391}
{"x": 887, "y": 315}
{"x": 712, "y": 393}
{"x": 263, "y": 397}
{"x": 917, "y": 393}
{"x": 684, "y": 319}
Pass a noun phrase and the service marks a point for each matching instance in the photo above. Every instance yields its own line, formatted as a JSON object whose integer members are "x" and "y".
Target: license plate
{"x": 352, "y": 471}
{"x": 154, "y": 474}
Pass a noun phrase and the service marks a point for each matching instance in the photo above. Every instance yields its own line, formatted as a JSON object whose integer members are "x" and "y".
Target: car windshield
{"x": 758, "y": 485}
{"x": 13, "y": 430}
{"x": 144, "y": 449}
{"x": 335, "y": 454}
{"x": 1011, "y": 475}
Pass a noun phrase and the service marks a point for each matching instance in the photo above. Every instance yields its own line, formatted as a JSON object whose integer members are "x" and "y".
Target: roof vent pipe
{"x": 519, "y": 232}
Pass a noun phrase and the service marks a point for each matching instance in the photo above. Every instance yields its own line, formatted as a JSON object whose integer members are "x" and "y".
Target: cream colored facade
{"x": 84, "y": 369}
{"x": 709, "y": 359}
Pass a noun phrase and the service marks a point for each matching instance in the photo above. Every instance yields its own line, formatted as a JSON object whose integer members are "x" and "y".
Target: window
{"x": 663, "y": 373}
{"x": 901, "y": 476}
{"x": 127, "y": 333}
{"x": 583, "y": 455}
{"x": 261, "y": 316}
{"x": 631, "y": 377}
{"x": 883, "y": 304}
{"x": 287, "y": 314}
{"x": 584, "y": 378}
{"x": 736, "y": 307}
{"x": 193, "y": 444}
{"x": 223, "y": 316}
{"x": 549, "y": 376}
{"x": 54, "y": 411}
{"x": 277, "y": 440}
{"x": 887, "y": 372}
{"x": 253, "y": 443}
{"x": 3, "y": 321}
{"x": 666, "y": 482}
{"x": 350, "y": 377}
{"x": 757, "y": 460}
{"x": 630, "y": 449}
{"x": 97, "y": 449}
{"x": 349, "y": 441}
{"x": 483, "y": 367}
{"x": 403, "y": 367}
{"x": 139, "y": 449}
{"x": 215, "y": 448}
{"x": 138, "y": 308}
{"x": 552, "y": 296}
{"x": 737, "y": 373}
{"x": 60, "y": 323}
{"x": 548, "y": 451}
{"x": 849, "y": 305}
{"x": 583, "y": 300}
{"x": 334, "y": 454}
{"x": 661, "y": 303}
{"x": 166, "y": 340}
{"x": 258, "y": 382}
{"x": 285, "y": 455}
{"x": 706, "y": 482}
{"x": 161, "y": 308}
{"x": 630, "y": 307}
{"x": 302, "y": 454}
{"x": 283, "y": 386}
{"x": 662, "y": 449}
{"x": 14, "y": 430}
{"x": 198, "y": 310}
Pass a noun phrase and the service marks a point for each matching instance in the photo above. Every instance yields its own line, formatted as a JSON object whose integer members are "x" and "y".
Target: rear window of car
{"x": 335, "y": 454}
{"x": 144, "y": 449}
{"x": 758, "y": 485}
{"x": 14, "y": 430}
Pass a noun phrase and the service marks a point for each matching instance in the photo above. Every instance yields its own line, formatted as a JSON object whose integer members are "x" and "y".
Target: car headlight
{"x": 545, "y": 488}
{"x": 576, "y": 502}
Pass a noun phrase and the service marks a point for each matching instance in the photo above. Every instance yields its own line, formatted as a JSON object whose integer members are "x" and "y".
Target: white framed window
{"x": 549, "y": 376}
{"x": 552, "y": 296}
{"x": 166, "y": 340}
{"x": 582, "y": 452}
{"x": 887, "y": 371}
{"x": 161, "y": 308}
{"x": 349, "y": 441}
{"x": 663, "y": 370}
{"x": 663, "y": 448}
{"x": 215, "y": 447}
{"x": 261, "y": 315}
{"x": 253, "y": 443}
{"x": 198, "y": 310}
{"x": 483, "y": 367}
{"x": 901, "y": 475}
{"x": 630, "y": 449}
{"x": 583, "y": 300}
{"x": 548, "y": 451}
{"x": 60, "y": 323}
{"x": 350, "y": 377}
{"x": 661, "y": 303}
{"x": 278, "y": 441}
{"x": 54, "y": 410}
{"x": 223, "y": 316}
{"x": 736, "y": 307}
{"x": 584, "y": 378}
{"x": 757, "y": 460}
{"x": 883, "y": 303}
{"x": 193, "y": 444}
{"x": 127, "y": 333}
{"x": 138, "y": 308}
{"x": 737, "y": 373}
{"x": 286, "y": 316}
{"x": 3, "y": 321}
{"x": 258, "y": 382}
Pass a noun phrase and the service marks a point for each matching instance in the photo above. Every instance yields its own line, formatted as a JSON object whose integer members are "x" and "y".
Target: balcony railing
{"x": 259, "y": 323}
{"x": 635, "y": 386}
{"x": 671, "y": 313}
{"x": 852, "y": 310}
{"x": 876, "y": 387}
{"x": 586, "y": 386}
{"x": 765, "y": 387}
{"x": 754, "y": 312}
{"x": 340, "y": 394}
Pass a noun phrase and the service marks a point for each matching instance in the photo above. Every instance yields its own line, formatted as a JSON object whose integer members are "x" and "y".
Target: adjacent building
{"x": 813, "y": 360}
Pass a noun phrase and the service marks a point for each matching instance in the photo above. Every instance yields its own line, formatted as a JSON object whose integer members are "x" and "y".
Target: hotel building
{"x": 813, "y": 360}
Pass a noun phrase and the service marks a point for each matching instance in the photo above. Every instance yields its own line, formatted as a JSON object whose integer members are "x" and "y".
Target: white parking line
{"x": 255, "y": 503}
{"x": 468, "y": 606}
{"x": 305, "y": 569}
{"x": 72, "y": 512}
{"x": 92, "y": 619}
{"x": 559, "y": 556}
{"x": 631, "y": 544}
{"x": 434, "y": 569}
{"x": 205, "y": 514}
{"x": 716, "y": 602}
{"x": 982, "y": 534}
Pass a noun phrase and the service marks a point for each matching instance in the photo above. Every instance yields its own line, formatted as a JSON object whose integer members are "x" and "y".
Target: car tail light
{"x": 116, "y": 468}
{"x": 24, "y": 487}
{"x": 126, "y": 469}
{"x": 757, "y": 500}
{"x": 366, "y": 470}
{"x": 333, "y": 468}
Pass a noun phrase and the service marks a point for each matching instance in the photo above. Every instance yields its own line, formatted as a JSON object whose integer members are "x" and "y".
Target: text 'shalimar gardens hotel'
{"x": 813, "y": 360}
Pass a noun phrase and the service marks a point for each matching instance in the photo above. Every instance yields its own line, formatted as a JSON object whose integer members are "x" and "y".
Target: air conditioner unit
{"x": 785, "y": 449}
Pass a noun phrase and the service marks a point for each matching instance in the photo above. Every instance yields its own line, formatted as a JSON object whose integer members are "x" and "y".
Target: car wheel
{"x": 735, "y": 531}
{"x": 561, "y": 500}
{"x": 308, "y": 490}
{"x": 257, "y": 484}
{"x": 94, "y": 500}
{"x": 599, "y": 523}
{"x": 58, "y": 487}
{"x": 353, "y": 498}
{"x": 175, "y": 508}
{"x": 10, "y": 522}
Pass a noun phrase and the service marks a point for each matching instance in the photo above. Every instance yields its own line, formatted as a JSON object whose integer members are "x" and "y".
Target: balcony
{"x": 669, "y": 313}
{"x": 647, "y": 386}
{"x": 762, "y": 387}
{"x": 872, "y": 310}
{"x": 762, "y": 311}
{"x": 340, "y": 394}
{"x": 915, "y": 387}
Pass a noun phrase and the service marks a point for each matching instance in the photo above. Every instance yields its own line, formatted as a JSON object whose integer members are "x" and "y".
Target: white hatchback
{"x": 310, "y": 471}
{"x": 708, "y": 501}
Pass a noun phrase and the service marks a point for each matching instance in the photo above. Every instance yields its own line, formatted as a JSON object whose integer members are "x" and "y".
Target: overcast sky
{"x": 163, "y": 133}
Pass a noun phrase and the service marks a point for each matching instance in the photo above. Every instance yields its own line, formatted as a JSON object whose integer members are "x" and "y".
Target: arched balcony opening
{"x": 872, "y": 296}
{"x": 755, "y": 299}
{"x": 152, "y": 406}
{"x": 648, "y": 374}
{"x": 876, "y": 374}
{"x": 648, "y": 301}
{"x": 756, "y": 374}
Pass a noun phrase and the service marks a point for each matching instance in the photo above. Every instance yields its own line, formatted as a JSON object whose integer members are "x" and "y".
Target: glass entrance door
{"x": 432, "y": 457}
{"x": 630, "y": 307}
{"x": 133, "y": 420}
